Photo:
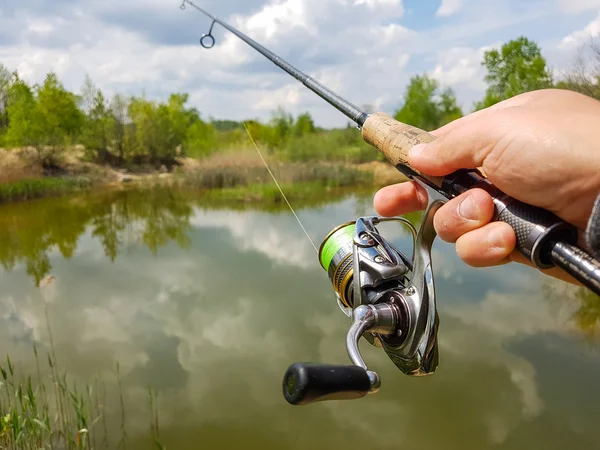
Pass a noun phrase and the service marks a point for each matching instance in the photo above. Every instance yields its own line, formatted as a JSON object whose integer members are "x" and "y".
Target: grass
{"x": 253, "y": 184}
{"x": 46, "y": 415}
{"x": 314, "y": 163}
{"x": 267, "y": 193}
{"x": 30, "y": 188}
{"x": 229, "y": 171}
{"x": 51, "y": 411}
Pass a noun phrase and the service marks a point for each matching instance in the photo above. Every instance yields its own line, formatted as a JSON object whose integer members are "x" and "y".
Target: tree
{"x": 88, "y": 95}
{"x": 5, "y": 80}
{"x": 96, "y": 132}
{"x": 118, "y": 137}
{"x": 425, "y": 107}
{"x": 201, "y": 139}
{"x": 304, "y": 125}
{"x": 448, "y": 107}
{"x": 584, "y": 76}
{"x": 282, "y": 124}
{"x": 23, "y": 126}
{"x": 59, "y": 117}
{"x": 160, "y": 128}
{"x": 517, "y": 68}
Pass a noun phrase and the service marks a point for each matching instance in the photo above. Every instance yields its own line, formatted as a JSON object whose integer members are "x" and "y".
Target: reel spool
{"x": 390, "y": 299}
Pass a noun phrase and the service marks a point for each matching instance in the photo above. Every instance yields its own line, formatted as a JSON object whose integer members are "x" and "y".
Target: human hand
{"x": 538, "y": 147}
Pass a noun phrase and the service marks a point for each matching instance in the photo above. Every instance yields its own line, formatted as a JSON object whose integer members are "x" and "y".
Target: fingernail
{"x": 414, "y": 151}
{"x": 468, "y": 209}
{"x": 496, "y": 239}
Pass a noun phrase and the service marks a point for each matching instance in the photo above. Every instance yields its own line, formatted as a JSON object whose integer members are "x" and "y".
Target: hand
{"x": 539, "y": 147}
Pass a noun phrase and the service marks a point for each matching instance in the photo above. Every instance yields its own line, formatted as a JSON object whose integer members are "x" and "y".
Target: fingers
{"x": 399, "y": 199}
{"x": 490, "y": 245}
{"x": 465, "y": 220}
{"x": 462, "y": 214}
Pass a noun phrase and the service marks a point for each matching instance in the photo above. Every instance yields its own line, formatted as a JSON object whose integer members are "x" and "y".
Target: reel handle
{"x": 305, "y": 383}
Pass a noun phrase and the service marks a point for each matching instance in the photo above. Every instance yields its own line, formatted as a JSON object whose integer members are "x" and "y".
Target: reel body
{"x": 390, "y": 299}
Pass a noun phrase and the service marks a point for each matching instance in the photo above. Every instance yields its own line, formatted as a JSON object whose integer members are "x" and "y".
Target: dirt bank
{"x": 25, "y": 173}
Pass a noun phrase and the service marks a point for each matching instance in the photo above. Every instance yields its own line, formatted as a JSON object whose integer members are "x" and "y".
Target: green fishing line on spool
{"x": 336, "y": 240}
{"x": 335, "y": 256}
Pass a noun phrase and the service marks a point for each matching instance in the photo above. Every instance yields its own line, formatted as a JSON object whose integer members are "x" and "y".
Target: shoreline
{"x": 236, "y": 176}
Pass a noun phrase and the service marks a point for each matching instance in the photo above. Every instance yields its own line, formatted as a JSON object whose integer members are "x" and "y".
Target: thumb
{"x": 461, "y": 147}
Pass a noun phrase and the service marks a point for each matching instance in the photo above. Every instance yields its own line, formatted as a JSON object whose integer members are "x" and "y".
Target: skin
{"x": 539, "y": 147}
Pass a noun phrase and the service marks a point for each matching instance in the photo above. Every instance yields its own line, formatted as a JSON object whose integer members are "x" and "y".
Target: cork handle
{"x": 394, "y": 139}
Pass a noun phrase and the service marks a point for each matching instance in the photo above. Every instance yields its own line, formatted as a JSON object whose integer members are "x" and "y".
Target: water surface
{"x": 209, "y": 303}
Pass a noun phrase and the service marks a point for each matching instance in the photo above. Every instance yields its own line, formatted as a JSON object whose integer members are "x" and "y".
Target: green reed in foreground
{"x": 52, "y": 412}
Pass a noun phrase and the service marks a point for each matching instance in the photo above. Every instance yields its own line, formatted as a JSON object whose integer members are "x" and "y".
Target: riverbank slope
{"x": 238, "y": 173}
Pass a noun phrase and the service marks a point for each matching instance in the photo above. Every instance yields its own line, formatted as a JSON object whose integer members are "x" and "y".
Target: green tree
{"x": 21, "y": 109}
{"x": 282, "y": 124}
{"x": 516, "y": 68}
{"x": 96, "y": 133}
{"x": 119, "y": 135}
{"x": 160, "y": 128}
{"x": 174, "y": 121}
{"x": 304, "y": 125}
{"x": 448, "y": 106}
{"x": 201, "y": 139}
{"x": 425, "y": 106}
{"x": 144, "y": 120}
{"x": 59, "y": 117}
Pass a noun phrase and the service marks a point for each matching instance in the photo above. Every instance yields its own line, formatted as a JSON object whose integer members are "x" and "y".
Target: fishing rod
{"x": 389, "y": 307}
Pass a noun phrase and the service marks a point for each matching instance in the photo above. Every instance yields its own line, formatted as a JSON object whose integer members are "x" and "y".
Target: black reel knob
{"x": 306, "y": 383}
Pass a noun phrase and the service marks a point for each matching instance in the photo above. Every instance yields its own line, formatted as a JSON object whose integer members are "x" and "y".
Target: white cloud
{"x": 449, "y": 7}
{"x": 577, "y": 38}
{"x": 365, "y": 50}
{"x": 278, "y": 18}
{"x": 460, "y": 65}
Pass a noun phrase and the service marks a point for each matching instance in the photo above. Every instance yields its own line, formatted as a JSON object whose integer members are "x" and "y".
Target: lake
{"x": 202, "y": 306}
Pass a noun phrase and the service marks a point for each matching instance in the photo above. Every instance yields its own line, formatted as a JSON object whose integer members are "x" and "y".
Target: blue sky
{"x": 366, "y": 50}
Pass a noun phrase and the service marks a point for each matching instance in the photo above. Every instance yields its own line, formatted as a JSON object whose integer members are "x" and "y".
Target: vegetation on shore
{"x": 137, "y": 134}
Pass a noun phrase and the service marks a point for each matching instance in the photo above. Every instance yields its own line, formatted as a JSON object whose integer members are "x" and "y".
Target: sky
{"x": 365, "y": 50}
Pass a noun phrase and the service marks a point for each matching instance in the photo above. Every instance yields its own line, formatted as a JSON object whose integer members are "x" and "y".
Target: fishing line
{"x": 279, "y": 187}
{"x": 542, "y": 237}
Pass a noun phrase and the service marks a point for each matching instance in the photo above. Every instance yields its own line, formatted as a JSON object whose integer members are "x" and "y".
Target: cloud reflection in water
{"x": 213, "y": 324}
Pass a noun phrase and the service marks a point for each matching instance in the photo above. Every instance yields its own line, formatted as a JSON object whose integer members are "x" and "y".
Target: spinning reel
{"x": 390, "y": 299}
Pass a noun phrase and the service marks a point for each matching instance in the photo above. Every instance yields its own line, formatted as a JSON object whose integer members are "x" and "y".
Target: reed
{"x": 30, "y": 188}
{"x": 53, "y": 412}
{"x": 50, "y": 410}
{"x": 224, "y": 176}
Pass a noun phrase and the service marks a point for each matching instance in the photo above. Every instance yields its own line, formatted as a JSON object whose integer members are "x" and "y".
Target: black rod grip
{"x": 306, "y": 383}
{"x": 536, "y": 229}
